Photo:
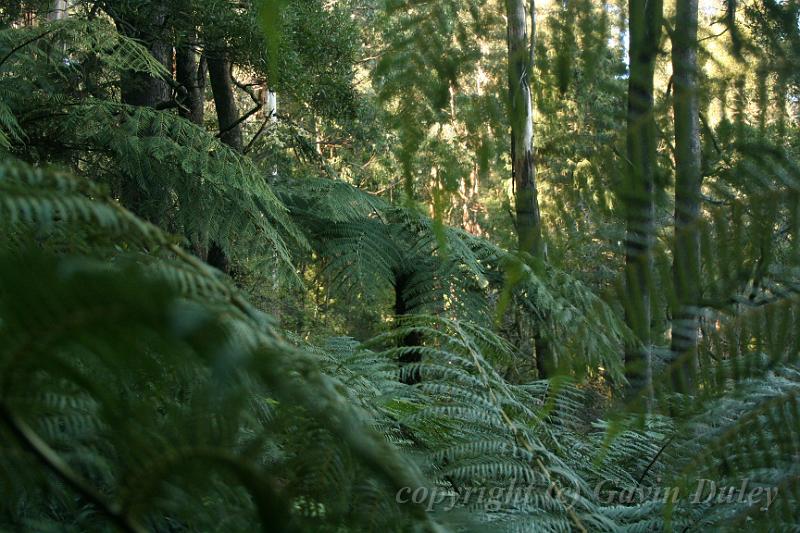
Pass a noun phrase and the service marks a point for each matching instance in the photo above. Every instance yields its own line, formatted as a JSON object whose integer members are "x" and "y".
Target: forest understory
{"x": 399, "y": 265}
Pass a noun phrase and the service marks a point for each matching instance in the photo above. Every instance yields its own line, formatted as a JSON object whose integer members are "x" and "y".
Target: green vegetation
{"x": 362, "y": 265}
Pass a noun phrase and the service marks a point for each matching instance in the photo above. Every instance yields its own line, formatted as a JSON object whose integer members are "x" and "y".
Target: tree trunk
{"x": 138, "y": 88}
{"x": 225, "y": 101}
{"x": 141, "y": 89}
{"x": 217, "y": 257}
{"x": 229, "y": 128}
{"x": 523, "y": 169}
{"x": 521, "y": 115}
{"x": 645, "y": 17}
{"x": 191, "y": 77}
{"x": 58, "y": 11}
{"x": 688, "y": 180}
{"x": 410, "y": 340}
{"x": 272, "y": 110}
{"x": 272, "y": 105}
{"x": 190, "y": 74}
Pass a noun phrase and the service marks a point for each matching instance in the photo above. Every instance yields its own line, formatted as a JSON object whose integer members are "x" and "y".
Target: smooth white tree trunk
{"x": 58, "y": 10}
{"x": 272, "y": 105}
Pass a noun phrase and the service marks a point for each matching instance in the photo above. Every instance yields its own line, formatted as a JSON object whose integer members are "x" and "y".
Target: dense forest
{"x": 399, "y": 265}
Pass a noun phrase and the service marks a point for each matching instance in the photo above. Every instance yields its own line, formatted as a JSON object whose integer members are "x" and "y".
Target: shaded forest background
{"x": 321, "y": 265}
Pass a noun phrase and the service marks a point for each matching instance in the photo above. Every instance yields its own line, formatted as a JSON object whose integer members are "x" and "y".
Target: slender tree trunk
{"x": 229, "y": 128}
{"x": 190, "y": 74}
{"x": 58, "y": 10}
{"x": 521, "y": 113}
{"x": 272, "y": 105}
{"x": 645, "y": 18}
{"x": 191, "y": 77}
{"x": 224, "y": 100}
{"x": 272, "y": 113}
{"x": 688, "y": 180}
{"x": 523, "y": 168}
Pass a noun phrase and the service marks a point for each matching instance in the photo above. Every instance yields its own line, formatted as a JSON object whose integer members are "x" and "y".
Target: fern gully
{"x": 494, "y": 266}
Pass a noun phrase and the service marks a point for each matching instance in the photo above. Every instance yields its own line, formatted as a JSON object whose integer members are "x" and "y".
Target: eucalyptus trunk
{"x": 529, "y": 230}
{"x": 523, "y": 168}
{"x": 272, "y": 105}
{"x": 645, "y": 19}
{"x": 688, "y": 180}
{"x": 58, "y": 10}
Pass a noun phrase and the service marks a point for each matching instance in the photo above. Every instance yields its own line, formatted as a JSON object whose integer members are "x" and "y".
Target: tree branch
{"x": 24, "y": 44}
{"x": 259, "y": 105}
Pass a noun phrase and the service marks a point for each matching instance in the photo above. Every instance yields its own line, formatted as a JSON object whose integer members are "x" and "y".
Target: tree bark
{"x": 138, "y": 88}
{"x": 58, "y": 11}
{"x": 229, "y": 128}
{"x": 141, "y": 89}
{"x": 224, "y": 100}
{"x": 190, "y": 74}
{"x": 688, "y": 180}
{"x": 521, "y": 114}
{"x": 412, "y": 339}
{"x": 645, "y": 18}
{"x": 191, "y": 77}
{"x": 523, "y": 168}
{"x": 272, "y": 105}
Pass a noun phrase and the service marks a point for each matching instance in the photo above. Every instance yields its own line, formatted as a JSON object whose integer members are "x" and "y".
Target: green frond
{"x": 47, "y": 198}
{"x": 215, "y": 192}
{"x": 75, "y": 39}
{"x": 10, "y": 131}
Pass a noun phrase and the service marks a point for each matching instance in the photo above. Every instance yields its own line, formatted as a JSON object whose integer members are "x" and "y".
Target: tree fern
{"x": 180, "y": 175}
{"x": 106, "y": 323}
{"x": 140, "y": 389}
